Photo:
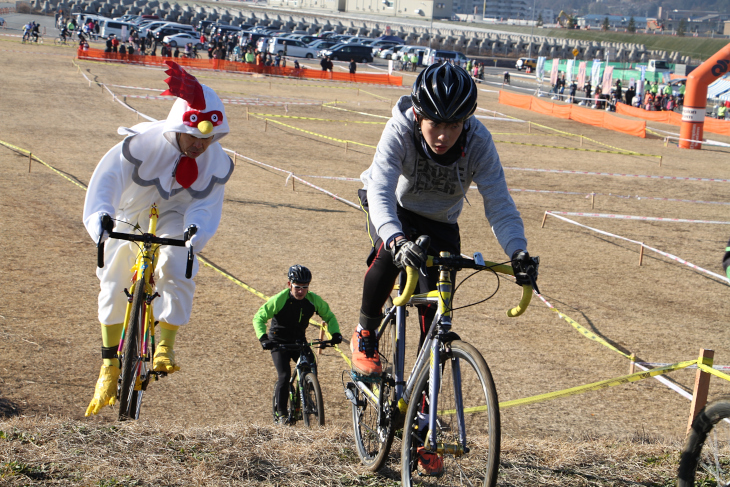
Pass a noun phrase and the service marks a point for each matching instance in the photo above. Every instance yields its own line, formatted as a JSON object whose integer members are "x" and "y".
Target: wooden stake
{"x": 632, "y": 364}
{"x": 266, "y": 125}
{"x": 358, "y": 92}
{"x": 529, "y": 127}
{"x": 137, "y": 112}
{"x": 641, "y": 254}
{"x": 347, "y": 146}
{"x": 702, "y": 385}
{"x": 234, "y": 158}
{"x": 30, "y": 159}
{"x": 593, "y": 199}
{"x": 321, "y": 337}
{"x": 125, "y": 99}
{"x": 102, "y": 87}
{"x": 543, "y": 220}
{"x": 581, "y": 140}
{"x": 89, "y": 83}
{"x": 660, "y": 160}
{"x": 292, "y": 183}
{"x": 666, "y": 140}
{"x": 246, "y": 112}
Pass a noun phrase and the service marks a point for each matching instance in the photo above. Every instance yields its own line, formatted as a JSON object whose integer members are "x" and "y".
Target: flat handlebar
{"x": 146, "y": 238}
{"x": 458, "y": 262}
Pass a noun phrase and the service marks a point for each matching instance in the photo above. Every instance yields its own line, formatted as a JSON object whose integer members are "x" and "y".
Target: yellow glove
{"x": 105, "y": 393}
{"x": 164, "y": 360}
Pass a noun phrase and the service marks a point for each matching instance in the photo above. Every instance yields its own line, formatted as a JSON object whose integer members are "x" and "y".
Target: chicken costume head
{"x": 198, "y": 111}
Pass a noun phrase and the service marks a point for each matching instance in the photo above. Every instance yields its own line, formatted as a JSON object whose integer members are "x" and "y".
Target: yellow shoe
{"x": 105, "y": 393}
{"x": 164, "y": 360}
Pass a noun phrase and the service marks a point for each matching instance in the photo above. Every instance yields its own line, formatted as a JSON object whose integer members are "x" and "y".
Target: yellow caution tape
{"x": 327, "y": 105}
{"x": 373, "y": 94}
{"x": 586, "y": 138}
{"x": 318, "y": 135}
{"x": 576, "y": 148}
{"x": 11, "y": 146}
{"x": 588, "y": 334}
{"x": 595, "y": 386}
{"x": 712, "y": 371}
{"x": 310, "y": 118}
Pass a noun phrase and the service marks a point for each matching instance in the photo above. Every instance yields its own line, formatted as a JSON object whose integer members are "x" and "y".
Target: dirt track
{"x": 662, "y": 311}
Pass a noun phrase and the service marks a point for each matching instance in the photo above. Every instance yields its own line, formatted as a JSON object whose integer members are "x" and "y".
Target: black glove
{"x": 266, "y": 343}
{"x": 525, "y": 268}
{"x": 407, "y": 254}
{"x": 336, "y": 338}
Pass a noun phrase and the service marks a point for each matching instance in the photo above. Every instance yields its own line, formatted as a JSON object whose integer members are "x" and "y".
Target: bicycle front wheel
{"x": 473, "y": 463}
{"x": 312, "y": 404}
{"x": 705, "y": 459}
{"x": 374, "y": 426}
{"x": 130, "y": 400}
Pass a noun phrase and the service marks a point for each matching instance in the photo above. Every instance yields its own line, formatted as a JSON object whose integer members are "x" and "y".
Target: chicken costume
{"x": 147, "y": 167}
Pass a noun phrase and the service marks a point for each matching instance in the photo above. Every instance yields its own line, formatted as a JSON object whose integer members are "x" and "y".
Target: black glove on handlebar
{"x": 407, "y": 254}
{"x": 336, "y": 338}
{"x": 525, "y": 268}
{"x": 266, "y": 343}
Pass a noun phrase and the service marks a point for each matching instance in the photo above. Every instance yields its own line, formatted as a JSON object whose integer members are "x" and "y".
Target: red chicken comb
{"x": 185, "y": 86}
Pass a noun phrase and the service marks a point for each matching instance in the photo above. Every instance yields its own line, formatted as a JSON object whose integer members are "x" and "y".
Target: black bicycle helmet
{"x": 299, "y": 273}
{"x": 444, "y": 93}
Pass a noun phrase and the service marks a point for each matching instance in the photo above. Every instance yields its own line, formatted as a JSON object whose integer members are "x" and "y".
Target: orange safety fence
{"x": 573, "y": 112}
{"x": 712, "y": 125}
{"x": 223, "y": 65}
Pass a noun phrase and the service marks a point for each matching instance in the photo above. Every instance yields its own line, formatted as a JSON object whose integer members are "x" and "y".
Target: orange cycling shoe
{"x": 430, "y": 464}
{"x": 365, "y": 356}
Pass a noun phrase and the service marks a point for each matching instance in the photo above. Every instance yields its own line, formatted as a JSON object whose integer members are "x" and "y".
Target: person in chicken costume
{"x": 179, "y": 165}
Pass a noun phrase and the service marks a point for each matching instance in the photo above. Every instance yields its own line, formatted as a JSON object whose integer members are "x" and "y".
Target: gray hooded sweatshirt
{"x": 400, "y": 175}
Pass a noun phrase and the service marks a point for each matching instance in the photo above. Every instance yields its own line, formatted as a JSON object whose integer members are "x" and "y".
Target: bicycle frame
{"x": 143, "y": 274}
{"x": 438, "y": 335}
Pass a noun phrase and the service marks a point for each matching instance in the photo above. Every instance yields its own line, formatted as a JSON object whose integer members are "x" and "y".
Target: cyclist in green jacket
{"x": 289, "y": 312}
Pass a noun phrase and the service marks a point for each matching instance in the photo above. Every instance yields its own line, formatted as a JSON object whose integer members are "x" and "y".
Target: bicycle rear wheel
{"x": 373, "y": 426}
{"x": 705, "y": 459}
{"x": 312, "y": 404}
{"x": 130, "y": 400}
{"x": 478, "y": 463}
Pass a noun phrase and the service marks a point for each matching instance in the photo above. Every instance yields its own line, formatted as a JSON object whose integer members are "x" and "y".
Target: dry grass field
{"x": 49, "y": 337}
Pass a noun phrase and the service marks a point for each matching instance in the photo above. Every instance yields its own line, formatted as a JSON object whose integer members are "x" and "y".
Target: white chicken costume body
{"x": 148, "y": 167}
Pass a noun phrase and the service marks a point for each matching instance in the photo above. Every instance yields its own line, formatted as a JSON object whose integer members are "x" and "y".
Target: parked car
{"x": 328, "y": 34}
{"x": 182, "y": 39}
{"x": 433, "y": 55}
{"x": 345, "y": 52}
{"x": 228, "y": 29}
{"x": 358, "y": 40}
{"x": 305, "y": 38}
{"x": 163, "y": 32}
{"x": 320, "y": 44}
{"x": 390, "y": 52}
{"x": 114, "y": 27}
{"x": 525, "y": 62}
{"x": 410, "y": 50}
{"x": 293, "y": 48}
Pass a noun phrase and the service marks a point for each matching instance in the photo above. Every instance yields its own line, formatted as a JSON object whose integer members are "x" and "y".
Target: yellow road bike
{"x": 137, "y": 345}
{"x": 448, "y": 405}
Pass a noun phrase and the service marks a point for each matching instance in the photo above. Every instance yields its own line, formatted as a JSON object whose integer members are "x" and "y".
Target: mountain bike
{"x": 705, "y": 459}
{"x": 448, "y": 405}
{"x": 305, "y": 395}
{"x": 137, "y": 345}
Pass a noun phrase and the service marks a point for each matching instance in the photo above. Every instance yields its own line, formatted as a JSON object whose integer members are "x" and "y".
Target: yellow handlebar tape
{"x": 524, "y": 302}
{"x": 411, "y": 281}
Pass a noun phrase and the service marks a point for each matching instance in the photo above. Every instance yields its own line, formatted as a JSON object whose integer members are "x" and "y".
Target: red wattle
{"x": 187, "y": 171}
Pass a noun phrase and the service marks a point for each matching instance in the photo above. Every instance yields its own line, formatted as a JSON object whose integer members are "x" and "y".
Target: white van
{"x": 433, "y": 55}
{"x": 114, "y": 27}
{"x": 84, "y": 19}
{"x": 293, "y": 47}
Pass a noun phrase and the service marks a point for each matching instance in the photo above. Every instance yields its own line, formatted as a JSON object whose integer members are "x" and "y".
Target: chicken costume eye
{"x": 193, "y": 118}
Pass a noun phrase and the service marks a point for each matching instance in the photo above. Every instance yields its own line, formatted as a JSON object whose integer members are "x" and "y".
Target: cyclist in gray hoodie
{"x": 431, "y": 151}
